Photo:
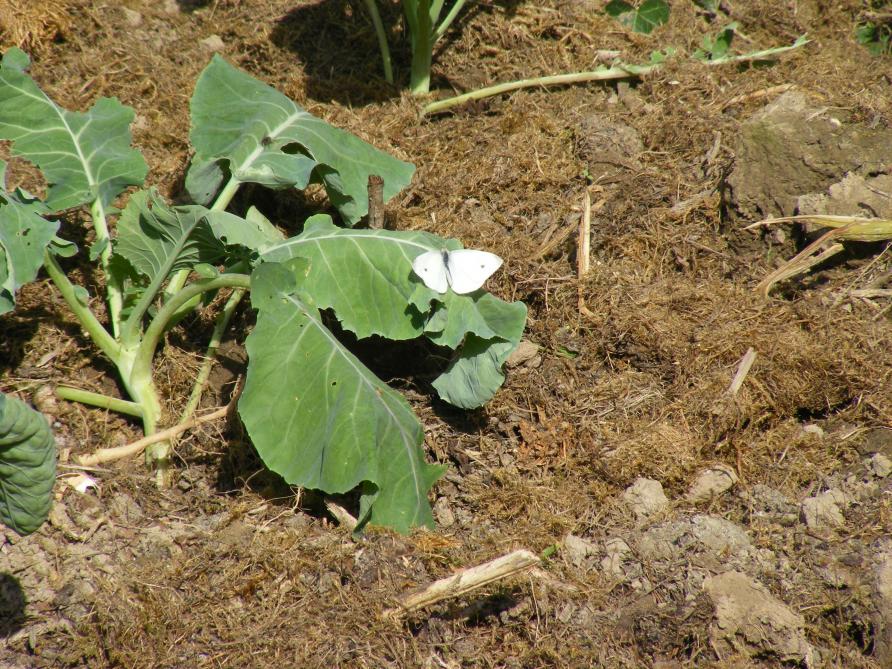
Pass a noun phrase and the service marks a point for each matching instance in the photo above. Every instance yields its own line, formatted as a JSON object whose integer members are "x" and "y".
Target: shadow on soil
{"x": 336, "y": 45}
{"x": 12, "y": 605}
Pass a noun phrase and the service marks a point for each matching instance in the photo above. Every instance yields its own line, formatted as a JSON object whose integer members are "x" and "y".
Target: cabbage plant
{"x": 316, "y": 414}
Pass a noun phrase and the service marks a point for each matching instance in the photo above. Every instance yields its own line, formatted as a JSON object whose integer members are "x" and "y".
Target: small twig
{"x": 583, "y": 253}
{"x": 128, "y": 450}
{"x": 757, "y": 95}
{"x": 376, "y": 202}
{"x": 341, "y": 515}
{"x": 583, "y": 249}
{"x": 743, "y": 368}
{"x": 465, "y": 581}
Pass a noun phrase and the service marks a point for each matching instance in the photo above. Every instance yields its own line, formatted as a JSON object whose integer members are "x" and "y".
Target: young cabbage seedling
{"x": 425, "y": 27}
{"x": 315, "y": 413}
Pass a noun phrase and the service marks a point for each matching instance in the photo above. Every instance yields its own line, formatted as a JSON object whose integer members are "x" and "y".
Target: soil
{"x": 685, "y": 521}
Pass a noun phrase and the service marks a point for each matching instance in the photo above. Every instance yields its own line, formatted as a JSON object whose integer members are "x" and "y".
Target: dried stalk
{"x": 465, "y": 581}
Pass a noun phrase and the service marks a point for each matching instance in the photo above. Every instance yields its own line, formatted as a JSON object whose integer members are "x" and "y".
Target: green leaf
{"x": 83, "y": 156}
{"x": 644, "y": 19}
{"x": 158, "y": 240}
{"x": 476, "y": 373}
{"x": 364, "y": 275}
{"x": 253, "y": 232}
{"x": 261, "y": 136}
{"x": 27, "y": 466}
{"x": 320, "y": 418}
{"x": 477, "y": 313}
{"x": 24, "y": 235}
{"x": 617, "y": 8}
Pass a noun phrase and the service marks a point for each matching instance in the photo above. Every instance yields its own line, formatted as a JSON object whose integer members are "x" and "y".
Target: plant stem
{"x": 112, "y": 285}
{"x": 142, "y": 363}
{"x": 421, "y": 33}
{"x": 85, "y": 315}
{"x": 140, "y": 377}
{"x": 204, "y": 373}
{"x": 383, "y": 47}
{"x": 447, "y": 21}
{"x": 617, "y": 72}
{"x": 98, "y": 400}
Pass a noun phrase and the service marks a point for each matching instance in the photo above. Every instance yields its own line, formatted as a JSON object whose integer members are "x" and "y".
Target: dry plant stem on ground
{"x": 465, "y": 581}
{"x": 137, "y": 447}
{"x": 844, "y": 228}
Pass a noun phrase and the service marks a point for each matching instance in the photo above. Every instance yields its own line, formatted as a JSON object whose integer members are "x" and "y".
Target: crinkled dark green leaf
{"x": 83, "y": 156}
{"x": 27, "y": 466}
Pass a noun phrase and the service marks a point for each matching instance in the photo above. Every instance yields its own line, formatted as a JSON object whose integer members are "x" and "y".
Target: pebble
{"x": 578, "y": 550}
{"x": 880, "y": 465}
{"x": 213, "y": 43}
{"x": 823, "y": 511}
{"x": 645, "y": 497}
{"x": 443, "y": 513}
{"x": 526, "y": 353}
{"x": 749, "y": 619}
{"x": 711, "y": 483}
{"x": 612, "y": 564}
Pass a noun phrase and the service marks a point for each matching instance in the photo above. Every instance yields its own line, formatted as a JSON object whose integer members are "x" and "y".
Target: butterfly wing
{"x": 468, "y": 269}
{"x": 430, "y": 267}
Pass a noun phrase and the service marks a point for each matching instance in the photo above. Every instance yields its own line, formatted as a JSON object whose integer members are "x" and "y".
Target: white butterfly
{"x": 464, "y": 270}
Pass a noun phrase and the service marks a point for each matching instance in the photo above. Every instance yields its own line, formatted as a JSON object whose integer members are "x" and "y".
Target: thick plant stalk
{"x": 158, "y": 454}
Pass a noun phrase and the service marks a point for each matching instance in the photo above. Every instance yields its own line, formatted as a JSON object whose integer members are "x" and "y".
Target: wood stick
{"x": 583, "y": 252}
{"x": 583, "y": 249}
{"x": 465, "y": 581}
{"x": 743, "y": 368}
{"x": 135, "y": 448}
{"x": 376, "y": 202}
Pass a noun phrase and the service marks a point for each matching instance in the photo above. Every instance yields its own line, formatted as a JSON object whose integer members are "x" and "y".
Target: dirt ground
{"x": 697, "y": 522}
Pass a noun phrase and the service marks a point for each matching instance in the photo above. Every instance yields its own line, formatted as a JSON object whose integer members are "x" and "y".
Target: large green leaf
{"x": 83, "y": 156}
{"x": 319, "y": 417}
{"x": 262, "y": 136}
{"x": 27, "y": 466}
{"x": 485, "y": 330}
{"x": 24, "y": 234}
{"x": 366, "y": 277}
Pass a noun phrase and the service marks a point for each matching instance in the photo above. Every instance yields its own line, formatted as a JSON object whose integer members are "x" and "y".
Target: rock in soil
{"x": 748, "y": 619}
{"x": 790, "y": 148}
{"x": 645, "y": 497}
{"x": 711, "y": 483}
{"x": 824, "y": 511}
{"x": 579, "y": 551}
